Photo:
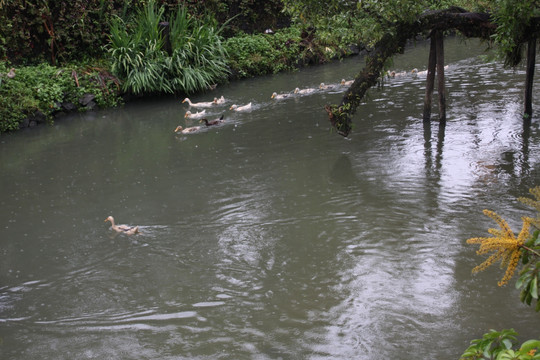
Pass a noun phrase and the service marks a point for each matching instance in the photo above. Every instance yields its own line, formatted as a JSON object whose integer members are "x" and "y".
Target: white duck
{"x": 240, "y": 108}
{"x": 199, "y": 104}
{"x": 323, "y": 86}
{"x": 346, "y": 82}
{"x": 304, "y": 91}
{"x": 219, "y": 101}
{"x": 393, "y": 74}
{"x": 123, "y": 229}
{"x": 189, "y": 130}
{"x": 277, "y": 96}
{"x": 197, "y": 115}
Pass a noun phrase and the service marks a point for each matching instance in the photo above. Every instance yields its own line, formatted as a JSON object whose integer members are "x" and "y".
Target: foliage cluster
{"x": 55, "y": 31}
{"x": 287, "y": 49}
{"x": 500, "y": 345}
{"x": 140, "y": 57}
{"x": 258, "y": 54}
{"x": 370, "y": 18}
{"x": 512, "y": 18}
{"x": 379, "y": 17}
{"x": 60, "y": 31}
{"x": 138, "y": 52}
{"x": 44, "y": 88}
{"x": 247, "y": 16}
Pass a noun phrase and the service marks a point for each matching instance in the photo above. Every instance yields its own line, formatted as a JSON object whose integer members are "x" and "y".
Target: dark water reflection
{"x": 268, "y": 237}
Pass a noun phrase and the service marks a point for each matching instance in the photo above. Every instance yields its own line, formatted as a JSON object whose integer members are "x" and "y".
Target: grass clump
{"x": 141, "y": 58}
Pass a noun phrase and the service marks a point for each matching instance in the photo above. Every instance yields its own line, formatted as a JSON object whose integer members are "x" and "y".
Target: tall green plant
{"x": 197, "y": 57}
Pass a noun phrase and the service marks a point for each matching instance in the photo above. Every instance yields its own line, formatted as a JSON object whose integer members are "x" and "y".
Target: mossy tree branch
{"x": 479, "y": 25}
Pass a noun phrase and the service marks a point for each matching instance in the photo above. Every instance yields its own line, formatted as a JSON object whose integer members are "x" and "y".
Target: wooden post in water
{"x": 440, "y": 76}
{"x": 430, "y": 82}
{"x": 531, "y": 58}
{"x": 435, "y": 64}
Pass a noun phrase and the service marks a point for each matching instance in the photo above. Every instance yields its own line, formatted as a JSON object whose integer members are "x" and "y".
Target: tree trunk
{"x": 531, "y": 58}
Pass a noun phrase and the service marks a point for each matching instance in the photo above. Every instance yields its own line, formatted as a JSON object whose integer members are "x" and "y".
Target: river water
{"x": 270, "y": 236}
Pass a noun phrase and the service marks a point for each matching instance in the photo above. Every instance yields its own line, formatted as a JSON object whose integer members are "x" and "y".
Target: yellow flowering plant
{"x": 505, "y": 246}
{"x": 510, "y": 249}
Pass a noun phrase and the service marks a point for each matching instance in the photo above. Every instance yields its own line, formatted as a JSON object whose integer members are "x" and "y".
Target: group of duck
{"x": 202, "y": 114}
{"x": 297, "y": 91}
{"x": 309, "y": 91}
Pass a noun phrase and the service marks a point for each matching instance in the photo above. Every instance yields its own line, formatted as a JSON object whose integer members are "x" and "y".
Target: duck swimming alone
{"x": 197, "y": 115}
{"x": 199, "y": 104}
{"x": 240, "y": 108}
{"x": 213, "y": 122}
{"x": 123, "y": 229}
{"x": 189, "y": 130}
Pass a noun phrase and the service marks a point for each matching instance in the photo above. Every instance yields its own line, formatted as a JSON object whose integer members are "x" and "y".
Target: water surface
{"x": 269, "y": 237}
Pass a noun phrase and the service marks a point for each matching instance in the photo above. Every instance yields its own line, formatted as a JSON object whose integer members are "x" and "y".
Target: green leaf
{"x": 534, "y": 288}
{"x": 507, "y": 343}
{"x": 530, "y": 345}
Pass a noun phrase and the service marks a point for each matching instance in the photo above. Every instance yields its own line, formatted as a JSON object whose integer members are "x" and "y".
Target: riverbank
{"x": 34, "y": 95}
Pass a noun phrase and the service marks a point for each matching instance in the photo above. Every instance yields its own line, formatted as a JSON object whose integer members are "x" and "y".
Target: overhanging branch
{"x": 478, "y": 25}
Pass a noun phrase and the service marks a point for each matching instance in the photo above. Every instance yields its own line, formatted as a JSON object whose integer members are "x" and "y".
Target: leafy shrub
{"x": 61, "y": 31}
{"x": 243, "y": 15}
{"x": 500, "y": 345}
{"x": 44, "y": 88}
{"x": 252, "y": 55}
{"x": 197, "y": 58}
{"x": 56, "y": 31}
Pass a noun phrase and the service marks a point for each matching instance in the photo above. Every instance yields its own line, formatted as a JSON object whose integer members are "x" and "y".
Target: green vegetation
{"x": 511, "y": 250}
{"x": 259, "y": 54}
{"x": 501, "y": 345}
{"x": 46, "y": 90}
{"x": 195, "y": 61}
{"x": 513, "y": 17}
{"x": 57, "y": 31}
{"x": 128, "y": 34}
